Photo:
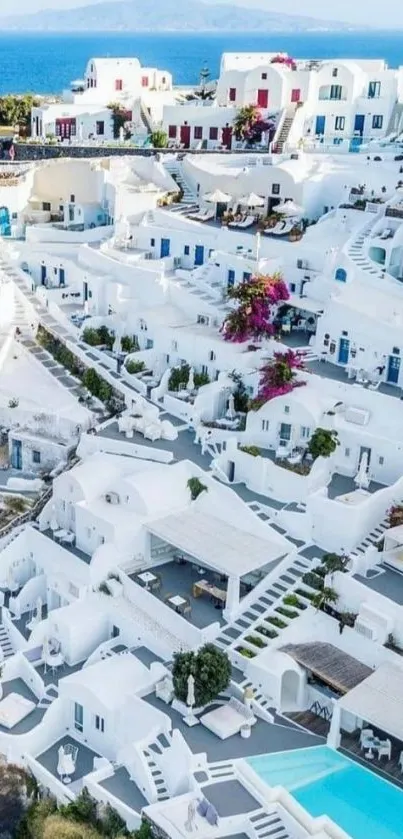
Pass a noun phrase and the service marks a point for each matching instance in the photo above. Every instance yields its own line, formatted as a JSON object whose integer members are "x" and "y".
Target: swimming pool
{"x": 327, "y": 783}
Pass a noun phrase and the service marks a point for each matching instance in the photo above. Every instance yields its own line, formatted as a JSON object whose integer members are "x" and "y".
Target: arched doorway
{"x": 290, "y": 683}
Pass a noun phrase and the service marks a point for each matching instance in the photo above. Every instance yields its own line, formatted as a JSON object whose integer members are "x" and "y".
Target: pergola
{"x": 221, "y": 546}
{"x": 334, "y": 667}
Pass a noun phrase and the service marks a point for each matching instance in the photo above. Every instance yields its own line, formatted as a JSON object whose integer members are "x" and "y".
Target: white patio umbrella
{"x": 288, "y": 208}
{"x": 252, "y": 200}
{"x": 54, "y": 524}
{"x": 190, "y": 718}
{"x": 117, "y": 344}
{"x": 217, "y": 197}
{"x": 231, "y": 413}
{"x": 362, "y": 479}
{"x": 191, "y": 380}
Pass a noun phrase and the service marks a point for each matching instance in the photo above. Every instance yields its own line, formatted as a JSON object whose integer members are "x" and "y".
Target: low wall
{"x": 44, "y": 151}
{"x": 90, "y": 443}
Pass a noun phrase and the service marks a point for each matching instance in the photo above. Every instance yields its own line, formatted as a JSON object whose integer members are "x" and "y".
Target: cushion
{"x": 202, "y": 807}
{"x": 212, "y": 815}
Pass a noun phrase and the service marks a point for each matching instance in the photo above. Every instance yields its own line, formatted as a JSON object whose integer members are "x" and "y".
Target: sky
{"x": 387, "y": 14}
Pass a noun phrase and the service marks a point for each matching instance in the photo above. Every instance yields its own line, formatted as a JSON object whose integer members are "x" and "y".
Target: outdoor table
{"x": 147, "y": 577}
{"x": 374, "y": 744}
{"x": 177, "y": 601}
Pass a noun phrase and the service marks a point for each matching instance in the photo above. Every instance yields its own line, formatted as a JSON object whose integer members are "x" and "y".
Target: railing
{"x": 321, "y": 711}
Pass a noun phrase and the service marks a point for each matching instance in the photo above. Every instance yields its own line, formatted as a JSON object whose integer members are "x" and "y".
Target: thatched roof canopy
{"x": 334, "y": 667}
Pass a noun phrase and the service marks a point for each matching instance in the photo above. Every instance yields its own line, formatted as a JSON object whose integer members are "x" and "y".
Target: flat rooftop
{"x": 230, "y": 798}
{"x": 387, "y": 582}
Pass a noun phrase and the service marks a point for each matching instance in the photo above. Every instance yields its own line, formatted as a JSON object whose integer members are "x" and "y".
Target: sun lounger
{"x": 247, "y": 222}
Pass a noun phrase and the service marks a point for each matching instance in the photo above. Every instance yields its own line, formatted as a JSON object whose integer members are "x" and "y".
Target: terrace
{"x": 386, "y": 582}
{"x": 32, "y": 718}
{"x": 327, "y": 370}
{"x": 122, "y": 787}
{"x": 84, "y": 763}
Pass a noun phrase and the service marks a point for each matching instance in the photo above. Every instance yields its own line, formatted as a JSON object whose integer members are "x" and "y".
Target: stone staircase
{"x": 283, "y": 131}
{"x": 160, "y": 745}
{"x": 49, "y": 696}
{"x": 268, "y": 826}
{"x": 373, "y": 537}
{"x": 5, "y": 643}
{"x": 174, "y": 168}
{"x": 355, "y": 251}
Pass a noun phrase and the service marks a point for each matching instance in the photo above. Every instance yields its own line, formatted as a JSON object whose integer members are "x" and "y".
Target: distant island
{"x": 165, "y": 16}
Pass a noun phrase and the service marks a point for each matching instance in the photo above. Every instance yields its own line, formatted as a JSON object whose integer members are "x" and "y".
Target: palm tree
{"x": 325, "y": 598}
{"x": 334, "y": 562}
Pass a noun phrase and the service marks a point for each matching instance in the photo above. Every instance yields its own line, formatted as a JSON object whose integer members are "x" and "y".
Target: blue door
{"x": 61, "y": 277}
{"x": 320, "y": 125}
{"x": 393, "y": 369}
{"x": 5, "y": 227}
{"x": 165, "y": 247}
{"x": 230, "y": 278}
{"x": 199, "y": 255}
{"x": 344, "y": 351}
{"x": 43, "y": 274}
{"x": 359, "y": 124}
{"x": 16, "y": 454}
{"x": 85, "y": 291}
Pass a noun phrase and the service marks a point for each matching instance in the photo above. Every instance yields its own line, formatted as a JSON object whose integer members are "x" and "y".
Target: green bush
{"x": 313, "y": 580}
{"x": 288, "y": 613}
{"x": 133, "y": 366}
{"x": 276, "y": 622}
{"x": 246, "y": 653}
{"x": 211, "y": 669}
{"x": 254, "y": 451}
{"x": 201, "y": 379}
{"x": 291, "y": 600}
{"x": 196, "y": 487}
{"x": 179, "y": 378}
{"x": 129, "y": 343}
{"x": 309, "y": 595}
{"x": 269, "y": 633}
{"x": 323, "y": 443}
{"x": 257, "y": 642}
{"x": 82, "y": 809}
{"x": 98, "y": 337}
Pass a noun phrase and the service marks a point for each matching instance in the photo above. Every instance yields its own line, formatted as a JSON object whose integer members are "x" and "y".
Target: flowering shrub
{"x": 279, "y": 376}
{"x": 249, "y": 124}
{"x": 286, "y": 60}
{"x": 253, "y": 317}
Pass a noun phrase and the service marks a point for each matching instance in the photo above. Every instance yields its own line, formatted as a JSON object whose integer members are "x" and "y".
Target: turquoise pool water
{"x": 327, "y": 783}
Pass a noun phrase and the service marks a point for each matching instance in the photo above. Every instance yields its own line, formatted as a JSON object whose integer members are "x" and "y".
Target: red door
{"x": 263, "y": 98}
{"x": 227, "y": 136}
{"x": 185, "y": 136}
{"x": 66, "y": 128}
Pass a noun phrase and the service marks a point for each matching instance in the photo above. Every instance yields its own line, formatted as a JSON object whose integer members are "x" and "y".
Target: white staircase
{"x": 49, "y": 696}
{"x": 160, "y": 745}
{"x": 5, "y": 642}
{"x": 283, "y": 131}
{"x": 174, "y": 167}
{"x": 268, "y": 826}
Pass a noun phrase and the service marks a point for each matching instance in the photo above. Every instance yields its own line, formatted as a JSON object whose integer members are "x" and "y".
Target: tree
{"x": 325, "y": 598}
{"x": 279, "y": 376}
{"x": 323, "y": 443}
{"x": 334, "y": 562}
{"x": 82, "y": 809}
{"x": 16, "y": 110}
{"x": 15, "y": 790}
{"x": 211, "y": 669}
{"x": 159, "y": 139}
{"x": 255, "y": 298}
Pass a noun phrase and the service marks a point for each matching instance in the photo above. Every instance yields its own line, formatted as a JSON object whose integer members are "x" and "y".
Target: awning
{"x": 378, "y": 700}
{"x": 305, "y": 304}
{"x": 334, "y": 667}
{"x": 217, "y": 544}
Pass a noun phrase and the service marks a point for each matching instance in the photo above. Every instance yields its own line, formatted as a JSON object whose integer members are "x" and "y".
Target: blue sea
{"x": 46, "y": 63}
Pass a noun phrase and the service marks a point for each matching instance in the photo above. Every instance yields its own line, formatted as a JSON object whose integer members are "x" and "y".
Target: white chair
{"x": 385, "y": 749}
{"x": 164, "y": 690}
{"x": 366, "y": 738}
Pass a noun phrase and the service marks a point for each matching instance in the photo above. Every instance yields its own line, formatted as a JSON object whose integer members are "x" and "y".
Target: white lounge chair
{"x": 164, "y": 690}
{"x": 247, "y": 222}
{"x": 277, "y": 230}
{"x": 386, "y": 233}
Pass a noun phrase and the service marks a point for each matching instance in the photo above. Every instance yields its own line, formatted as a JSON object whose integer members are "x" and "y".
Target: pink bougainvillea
{"x": 279, "y": 376}
{"x": 286, "y": 60}
{"x": 253, "y": 317}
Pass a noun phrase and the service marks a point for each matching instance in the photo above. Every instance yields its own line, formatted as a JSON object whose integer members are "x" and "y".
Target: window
{"x": 100, "y": 127}
{"x": 395, "y": 351}
{"x": 72, "y": 199}
{"x": 264, "y": 76}
{"x": 292, "y": 287}
{"x": 230, "y": 278}
{"x": 346, "y": 452}
{"x": 265, "y": 425}
{"x": 336, "y": 91}
{"x": 340, "y": 123}
{"x": 211, "y": 356}
{"x": 344, "y": 333}
{"x": 186, "y": 250}
{"x": 286, "y": 409}
{"x": 285, "y": 431}
{"x": 78, "y": 717}
{"x": 232, "y": 94}
{"x": 341, "y": 275}
{"x": 118, "y": 84}
{"x": 149, "y": 344}
{"x": 36, "y": 457}
{"x": 374, "y": 90}
{"x": 296, "y": 95}
{"x": 381, "y": 461}
{"x": 115, "y": 631}
{"x": 213, "y": 135}
{"x": 275, "y": 189}
{"x": 99, "y": 723}
{"x": 198, "y": 132}
{"x": 152, "y": 243}
{"x": 377, "y": 121}
{"x": 144, "y": 81}
{"x": 46, "y": 206}
{"x": 335, "y": 72}
{"x": 172, "y": 132}
{"x": 305, "y": 431}
{"x": 246, "y": 276}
